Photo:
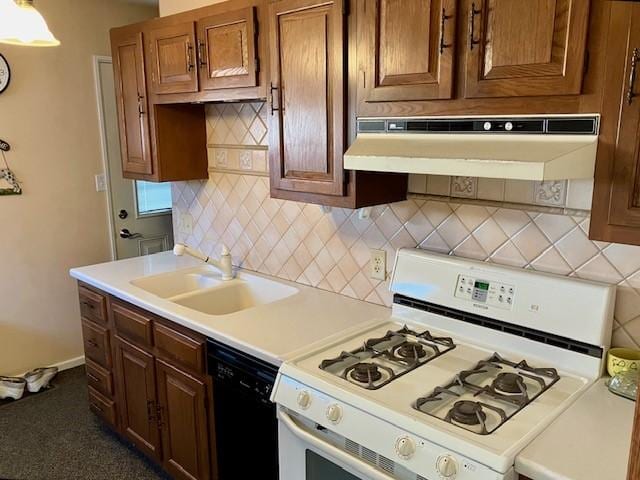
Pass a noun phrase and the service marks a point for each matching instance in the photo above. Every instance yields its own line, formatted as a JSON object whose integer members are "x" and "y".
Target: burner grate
{"x": 483, "y": 406}
{"x": 381, "y": 360}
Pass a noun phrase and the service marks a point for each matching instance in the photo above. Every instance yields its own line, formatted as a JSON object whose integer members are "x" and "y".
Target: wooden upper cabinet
{"x": 411, "y": 54}
{"x": 227, "y": 50}
{"x": 173, "y": 59}
{"x": 525, "y": 47}
{"x": 616, "y": 201}
{"x": 183, "y": 422}
{"x": 307, "y": 85}
{"x": 132, "y": 105}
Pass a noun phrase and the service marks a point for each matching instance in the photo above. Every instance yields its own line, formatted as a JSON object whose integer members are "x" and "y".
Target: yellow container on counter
{"x": 622, "y": 360}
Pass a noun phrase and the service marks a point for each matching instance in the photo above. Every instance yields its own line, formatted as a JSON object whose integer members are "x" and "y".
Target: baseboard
{"x": 64, "y": 365}
{"x": 71, "y": 363}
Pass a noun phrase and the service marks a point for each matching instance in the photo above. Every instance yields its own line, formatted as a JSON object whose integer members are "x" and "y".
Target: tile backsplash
{"x": 300, "y": 242}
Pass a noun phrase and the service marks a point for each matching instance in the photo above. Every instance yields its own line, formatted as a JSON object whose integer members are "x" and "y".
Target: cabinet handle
{"x": 93, "y": 377}
{"x": 190, "y": 65}
{"x": 472, "y": 25}
{"x": 93, "y": 343}
{"x": 201, "y": 50}
{"x": 159, "y": 415}
{"x": 150, "y": 409}
{"x": 141, "y": 111}
{"x": 635, "y": 57}
{"x": 93, "y": 405}
{"x": 273, "y": 109}
{"x": 443, "y": 21}
{"x": 88, "y": 305}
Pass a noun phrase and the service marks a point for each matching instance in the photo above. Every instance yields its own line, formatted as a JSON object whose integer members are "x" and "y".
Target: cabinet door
{"x": 184, "y": 424}
{"x": 135, "y": 373}
{"x": 410, "y": 56}
{"x": 131, "y": 99}
{"x": 624, "y": 208}
{"x": 307, "y": 119}
{"x": 173, "y": 59}
{"x": 227, "y": 50}
{"x": 525, "y": 47}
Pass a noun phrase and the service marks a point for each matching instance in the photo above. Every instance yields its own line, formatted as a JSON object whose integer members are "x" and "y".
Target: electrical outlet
{"x": 186, "y": 224}
{"x": 378, "y": 264}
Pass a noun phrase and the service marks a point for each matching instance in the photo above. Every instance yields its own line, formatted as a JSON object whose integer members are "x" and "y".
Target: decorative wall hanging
{"x": 5, "y": 73}
{"x": 6, "y": 174}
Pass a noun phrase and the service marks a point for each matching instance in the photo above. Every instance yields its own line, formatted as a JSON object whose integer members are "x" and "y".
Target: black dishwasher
{"x": 245, "y": 419}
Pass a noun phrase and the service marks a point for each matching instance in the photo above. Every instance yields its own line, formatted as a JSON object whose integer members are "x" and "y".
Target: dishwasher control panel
{"x": 489, "y": 292}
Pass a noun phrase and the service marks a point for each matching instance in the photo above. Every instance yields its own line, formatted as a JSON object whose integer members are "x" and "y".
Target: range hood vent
{"x": 524, "y": 148}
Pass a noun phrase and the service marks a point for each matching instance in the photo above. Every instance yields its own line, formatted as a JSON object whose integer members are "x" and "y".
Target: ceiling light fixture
{"x": 22, "y": 24}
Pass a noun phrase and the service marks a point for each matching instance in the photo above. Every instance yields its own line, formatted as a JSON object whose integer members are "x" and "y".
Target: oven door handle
{"x": 365, "y": 469}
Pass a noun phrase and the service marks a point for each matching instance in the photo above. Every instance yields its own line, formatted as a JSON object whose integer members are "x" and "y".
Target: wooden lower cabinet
{"x": 182, "y": 402}
{"x": 147, "y": 380}
{"x": 135, "y": 373}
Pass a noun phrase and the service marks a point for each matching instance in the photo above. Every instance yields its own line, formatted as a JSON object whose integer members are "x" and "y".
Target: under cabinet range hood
{"x": 523, "y": 148}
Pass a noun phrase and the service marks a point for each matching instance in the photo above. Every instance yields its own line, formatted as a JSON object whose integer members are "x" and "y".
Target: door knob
{"x": 125, "y": 233}
{"x": 123, "y": 214}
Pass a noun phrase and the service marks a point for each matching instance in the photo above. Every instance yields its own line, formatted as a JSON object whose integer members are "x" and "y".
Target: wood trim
{"x": 634, "y": 453}
{"x": 133, "y": 324}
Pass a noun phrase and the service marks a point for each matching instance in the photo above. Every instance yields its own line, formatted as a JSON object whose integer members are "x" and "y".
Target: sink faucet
{"x": 224, "y": 265}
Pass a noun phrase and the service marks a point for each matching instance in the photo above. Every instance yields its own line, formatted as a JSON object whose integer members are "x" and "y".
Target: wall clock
{"x": 5, "y": 73}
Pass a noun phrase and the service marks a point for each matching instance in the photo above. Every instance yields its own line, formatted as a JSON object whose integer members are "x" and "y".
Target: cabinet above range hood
{"x": 523, "y": 148}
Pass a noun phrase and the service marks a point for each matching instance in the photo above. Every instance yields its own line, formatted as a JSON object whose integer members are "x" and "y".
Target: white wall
{"x": 48, "y": 115}
{"x": 169, "y": 7}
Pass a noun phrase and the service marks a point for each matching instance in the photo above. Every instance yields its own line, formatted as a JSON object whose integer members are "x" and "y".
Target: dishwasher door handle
{"x": 349, "y": 460}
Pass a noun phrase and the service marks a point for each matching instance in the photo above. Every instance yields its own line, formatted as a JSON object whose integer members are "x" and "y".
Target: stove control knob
{"x": 405, "y": 447}
{"x": 447, "y": 466}
{"x": 334, "y": 413}
{"x": 304, "y": 399}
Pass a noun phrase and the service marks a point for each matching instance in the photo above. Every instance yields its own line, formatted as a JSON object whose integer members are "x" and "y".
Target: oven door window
{"x": 319, "y": 468}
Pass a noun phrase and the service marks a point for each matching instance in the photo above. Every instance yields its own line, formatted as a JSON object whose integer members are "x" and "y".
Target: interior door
{"x": 411, "y": 53}
{"x": 307, "y": 119}
{"x": 137, "y": 396}
{"x": 173, "y": 58}
{"x": 227, "y": 50}
{"x": 183, "y": 422}
{"x": 625, "y": 192}
{"x": 525, "y": 47}
{"x": 131, "y": 93}
{"x": 142, "y": 209}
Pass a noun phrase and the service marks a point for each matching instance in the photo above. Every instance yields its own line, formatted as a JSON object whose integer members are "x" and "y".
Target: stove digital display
{"x": 482, "y": 286}
{"x": 480, "y": 291}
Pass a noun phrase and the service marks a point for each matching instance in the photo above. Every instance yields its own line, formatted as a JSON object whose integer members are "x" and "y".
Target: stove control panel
{"x": 488, "y": 292}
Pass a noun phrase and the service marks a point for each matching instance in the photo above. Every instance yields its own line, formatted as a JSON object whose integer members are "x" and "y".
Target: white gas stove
{"x": 476, "y": 360}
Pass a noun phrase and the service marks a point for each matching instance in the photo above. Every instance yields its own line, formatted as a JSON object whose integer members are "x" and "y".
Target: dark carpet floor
{"x": 53, "y": 436}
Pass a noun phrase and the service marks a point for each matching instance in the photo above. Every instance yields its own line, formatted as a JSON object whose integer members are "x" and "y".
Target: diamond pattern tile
{"x": 300, "y": 242}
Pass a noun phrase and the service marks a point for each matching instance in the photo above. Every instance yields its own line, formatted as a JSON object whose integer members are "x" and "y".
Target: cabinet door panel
{"x": 411, "y": 55}
{"x": 525, "y": 47}
{"x": 131, "y": 99}
{"x": 183, "y": 422}
{"x": 174, "y": 59}
{"x": 137, "y": 396}
{"x": 307, "y": 71}
{"x": 227, "y": 50}
{"x": 625, "y": 193}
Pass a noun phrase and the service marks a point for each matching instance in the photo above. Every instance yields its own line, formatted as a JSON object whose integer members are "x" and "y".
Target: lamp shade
{"x": 22, "y": 24}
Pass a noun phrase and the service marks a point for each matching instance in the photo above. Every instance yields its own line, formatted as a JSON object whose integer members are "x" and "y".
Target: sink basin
{"x": 177, "y": 283}
{"x": 203, "y": 290}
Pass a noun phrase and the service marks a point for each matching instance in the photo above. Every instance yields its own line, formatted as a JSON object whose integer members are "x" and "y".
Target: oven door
{"x": 306, "y": 455}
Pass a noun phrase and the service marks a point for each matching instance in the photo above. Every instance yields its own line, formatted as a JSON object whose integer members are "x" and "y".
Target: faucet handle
{"x": 225, "y": 250}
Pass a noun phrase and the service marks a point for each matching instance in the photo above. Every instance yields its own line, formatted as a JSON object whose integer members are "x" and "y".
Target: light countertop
{"x": 271, "y": 332}
{"x": 590, "y": 441}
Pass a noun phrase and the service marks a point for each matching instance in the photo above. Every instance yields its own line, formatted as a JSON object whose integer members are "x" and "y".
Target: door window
{"x": 152, "y": 198}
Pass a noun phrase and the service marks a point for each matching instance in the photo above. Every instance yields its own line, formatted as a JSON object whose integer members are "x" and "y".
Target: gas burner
{"x": 410, "y": 351}
{"x": 488, "y": 395}
{"x": 365, "y": 373}
{"x": 383, "y": 359}
{"x": 510, "y": 383}
{"x": 467, "y": 412}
